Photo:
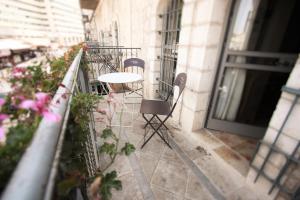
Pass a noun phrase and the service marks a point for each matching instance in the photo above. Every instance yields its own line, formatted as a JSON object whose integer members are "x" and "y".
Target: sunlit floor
{"x": 191, "y": 170}
{"x": 236, "y": 150}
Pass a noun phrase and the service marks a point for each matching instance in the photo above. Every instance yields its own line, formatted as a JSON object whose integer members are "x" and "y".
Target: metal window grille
{"x": 169, "y": 46}
{"x": 291, "y": 160}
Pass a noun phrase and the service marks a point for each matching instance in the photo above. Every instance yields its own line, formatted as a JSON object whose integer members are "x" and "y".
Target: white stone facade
{"x": 203, "y": 25}
{"x": 42, "y": 21}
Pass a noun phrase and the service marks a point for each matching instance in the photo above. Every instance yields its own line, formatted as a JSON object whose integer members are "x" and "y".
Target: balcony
{"x": 189, "y": 170}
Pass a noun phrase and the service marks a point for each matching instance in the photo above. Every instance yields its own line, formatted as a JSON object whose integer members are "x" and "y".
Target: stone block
{"x": 284, "y": 142}
{"x": 196, "y": 57}
{"x": 187, "y": 14}
{"x": 275, "y": 159}
{"x": 154, "y": 38}
{"x": 182, "y": 55}
{"x": 207, "y": 79}
{"x": 187, "y": 118}
{"x": 202, "y": 101}
{"x": 220, "y": 8}
{"x": 261, "y": 187}
{"x": 214, "y": 35}
{"x": 184, "y": 37}
{"x": 153, "y": 77}
{"x": 199, "y": 34}
{"x": 193, "y": 79}
{"x": 153, "y": 52}
{"x": 199, "y": 120}
{"x": 270, "y": 170}
{"x": 154, "y": 66}
{"x": 203, "y": 11}
{"x": 291, "y": 127}
{"x": 190, "y": 99}
{"x": 211, "y": 58}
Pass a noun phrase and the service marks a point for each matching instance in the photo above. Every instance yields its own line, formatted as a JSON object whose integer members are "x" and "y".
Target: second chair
{"x": 159, "y": 107}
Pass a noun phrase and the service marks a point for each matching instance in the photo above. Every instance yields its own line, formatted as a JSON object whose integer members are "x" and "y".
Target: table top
{"x": 120, "y": 77}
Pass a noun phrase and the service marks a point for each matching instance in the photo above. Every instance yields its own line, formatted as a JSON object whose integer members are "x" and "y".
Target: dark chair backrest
{"x": 134, "y": 62}
{"x": 180, "y": 81}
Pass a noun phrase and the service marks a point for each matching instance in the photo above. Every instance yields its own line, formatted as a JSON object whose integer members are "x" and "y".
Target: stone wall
{"x": 200, "y": 41}
{"x": 287, "y": 141}
{"x": 203, "y": 23}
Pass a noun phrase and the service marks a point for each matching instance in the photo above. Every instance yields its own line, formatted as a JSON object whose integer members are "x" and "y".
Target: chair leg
{"x": 161, "y": 122}
{"x": 147, "y": 121}
{"x": 156, "y": 131}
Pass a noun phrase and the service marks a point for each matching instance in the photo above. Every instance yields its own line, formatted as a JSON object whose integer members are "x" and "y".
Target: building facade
{"x": 42, "y": 22}
{"x": 237, "y": 55}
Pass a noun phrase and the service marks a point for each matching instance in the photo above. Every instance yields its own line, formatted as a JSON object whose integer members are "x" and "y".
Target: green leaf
{"x": 128, "y": 149}
{"x": 106, "y": 133}
{"x": 108, "y": 182}
{"x": 108, "y": 148}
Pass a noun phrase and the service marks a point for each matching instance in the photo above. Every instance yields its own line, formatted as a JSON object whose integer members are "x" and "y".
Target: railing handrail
{"x": 114, "y": 47}
{"x": 29, "y": 180}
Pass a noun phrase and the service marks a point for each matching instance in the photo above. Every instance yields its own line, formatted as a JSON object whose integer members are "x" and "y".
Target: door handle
{"x": 223, "y": 89}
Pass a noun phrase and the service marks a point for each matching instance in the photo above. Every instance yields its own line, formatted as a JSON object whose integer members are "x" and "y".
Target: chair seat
{"x": 155, "y": 107}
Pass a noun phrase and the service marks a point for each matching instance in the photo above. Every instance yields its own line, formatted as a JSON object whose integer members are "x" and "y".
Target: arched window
{"x": 170, "y": 38}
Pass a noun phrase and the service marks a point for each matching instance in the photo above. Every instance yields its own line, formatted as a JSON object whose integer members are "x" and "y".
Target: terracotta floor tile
{"x": 232, "y": 158}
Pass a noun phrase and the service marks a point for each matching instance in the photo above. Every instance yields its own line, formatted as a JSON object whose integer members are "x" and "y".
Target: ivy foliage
{"x": 17, "y": 140}
{"x": 108, "y": 182}
{"x": 73, "y": 169}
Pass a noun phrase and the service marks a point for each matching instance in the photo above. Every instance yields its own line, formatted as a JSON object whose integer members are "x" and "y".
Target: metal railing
{"x": 106, "y": 59}
{"x": 290, "y": 159}
{"x": 34, "y": 177}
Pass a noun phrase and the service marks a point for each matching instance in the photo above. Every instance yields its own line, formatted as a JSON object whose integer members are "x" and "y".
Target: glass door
{"x": 260, "y": 51}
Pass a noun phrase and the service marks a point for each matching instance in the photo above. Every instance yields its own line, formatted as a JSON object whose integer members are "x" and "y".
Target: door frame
{"x": 229, "y": 126}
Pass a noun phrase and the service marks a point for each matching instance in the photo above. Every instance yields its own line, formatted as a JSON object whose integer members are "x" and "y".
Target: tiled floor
{"x": 236, "y": 150}
{"x": 189, "y": 171}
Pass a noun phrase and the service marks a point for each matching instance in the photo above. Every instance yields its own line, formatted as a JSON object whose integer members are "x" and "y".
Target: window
{"x": 170, "y": 38}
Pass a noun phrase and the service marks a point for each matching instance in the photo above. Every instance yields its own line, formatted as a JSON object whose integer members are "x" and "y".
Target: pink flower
{"x": 18, "y": 72}
{"x": 44, "y": 97}
{"x": 51, "y": 116}
{"x": 40, "y": 106}
{"x": 3, "y": 117}
{"x": 28, "y": 104}
{"x": 2, "y": 133}
{"x": 2, "y": 102}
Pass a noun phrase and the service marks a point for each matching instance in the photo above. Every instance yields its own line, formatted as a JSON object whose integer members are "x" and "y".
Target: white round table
{"x": 120, "y": 77}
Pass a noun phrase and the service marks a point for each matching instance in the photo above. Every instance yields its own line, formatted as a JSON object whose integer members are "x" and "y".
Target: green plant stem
{"x": 117, "y": 142}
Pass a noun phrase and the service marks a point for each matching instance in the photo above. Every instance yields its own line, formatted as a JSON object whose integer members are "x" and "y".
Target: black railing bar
{"x": 261, "y": 54}
{"x": 33, "y": 171}
{"x": 284, "y": 168}
{"x": 280, "y": 187}
{"x": 277, "y": 150}
{"x": 277, "y": 136}
{"x": 291, "y": 90}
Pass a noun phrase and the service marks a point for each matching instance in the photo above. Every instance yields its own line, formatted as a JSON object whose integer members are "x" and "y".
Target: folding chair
{"x": 159, "y": 107}
{"x": 135, "y": 64}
